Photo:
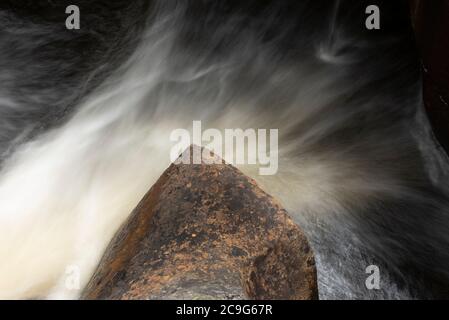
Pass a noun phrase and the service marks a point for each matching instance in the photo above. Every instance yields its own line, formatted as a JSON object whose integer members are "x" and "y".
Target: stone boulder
{"x": 206, "y": 232}
{"x": 431, "y": 24}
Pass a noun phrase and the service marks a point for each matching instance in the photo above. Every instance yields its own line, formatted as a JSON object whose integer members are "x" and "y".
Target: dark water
{"x": 85, "y": 117}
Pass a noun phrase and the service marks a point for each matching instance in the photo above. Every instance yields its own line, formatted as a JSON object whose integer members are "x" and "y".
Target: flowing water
{"x": 85, "y": 126}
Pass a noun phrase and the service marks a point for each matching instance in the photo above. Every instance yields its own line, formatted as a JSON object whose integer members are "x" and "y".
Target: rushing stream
{"x": 86, "y": 115}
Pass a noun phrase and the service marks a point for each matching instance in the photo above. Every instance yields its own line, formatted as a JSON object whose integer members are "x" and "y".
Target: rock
{"x": 431, "y": 24}
{"x": 206, "y": 232}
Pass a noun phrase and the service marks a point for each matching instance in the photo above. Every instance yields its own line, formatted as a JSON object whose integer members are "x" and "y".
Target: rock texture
{"x": 206, "y": 232}
{"x": 431, "y": 23}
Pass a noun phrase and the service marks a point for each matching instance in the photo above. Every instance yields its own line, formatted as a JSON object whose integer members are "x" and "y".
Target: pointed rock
{"x": 206, "y": 232}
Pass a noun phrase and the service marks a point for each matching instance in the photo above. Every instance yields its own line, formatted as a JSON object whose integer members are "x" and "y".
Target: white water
{"x": 64, "y": 194}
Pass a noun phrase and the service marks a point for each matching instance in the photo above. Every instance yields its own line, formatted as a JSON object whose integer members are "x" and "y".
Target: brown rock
{"x": 431, "y": 23}
{"x": 206, "y": 232}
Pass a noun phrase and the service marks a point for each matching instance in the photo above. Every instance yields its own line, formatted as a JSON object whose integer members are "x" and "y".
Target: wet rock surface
{"x": 206, "y": 232}
{"x": 431, "y": 24}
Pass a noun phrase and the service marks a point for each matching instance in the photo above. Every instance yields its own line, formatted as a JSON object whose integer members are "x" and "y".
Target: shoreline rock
{"x": 430, "y": 21}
